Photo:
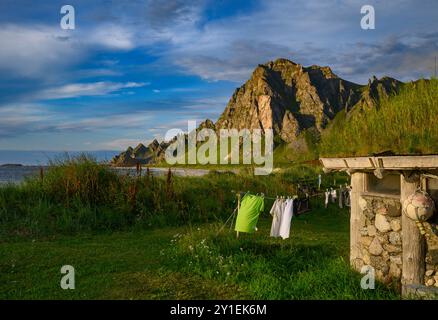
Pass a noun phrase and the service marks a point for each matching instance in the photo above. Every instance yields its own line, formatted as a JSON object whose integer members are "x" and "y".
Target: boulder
{"x": 366, "y": 241}
{"x": 394, "y": 270}
{"x": 382, "y": 223}
{"x": 395, "y": 238}
{"x": 375, "y": 248}
{"x": 372, "y": 231}
{"x": 392, "y": 248}
{"x": 363, "y": 204}
{"x": 430, "y": 273}
{"x": 395, "y": 225}
{"x": 430, "y": 282}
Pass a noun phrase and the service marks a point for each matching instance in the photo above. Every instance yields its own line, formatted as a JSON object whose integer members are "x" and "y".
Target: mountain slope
{"x": 289, "y": 98}
{"x": 299, "y": 103}
{"x": 406, "y": 123}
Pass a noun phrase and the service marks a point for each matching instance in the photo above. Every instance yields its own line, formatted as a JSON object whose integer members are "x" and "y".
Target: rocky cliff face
{"x": 141, "y": 154}
{"x": 289, "y": 98}
{"x": 286, "y": 97}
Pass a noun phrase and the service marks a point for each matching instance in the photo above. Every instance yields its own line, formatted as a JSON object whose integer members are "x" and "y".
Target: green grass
{"x": 81, "y": 196}
{"x": 156, "y": 238}
{"x": 406, "y": 123}
{"x": 191, "y": 263}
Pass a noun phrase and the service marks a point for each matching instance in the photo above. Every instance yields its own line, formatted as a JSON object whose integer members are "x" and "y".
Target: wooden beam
{"x": 390, "y": 163}
{"x": 356, "y": 217}
{"x": 414, "y": 247}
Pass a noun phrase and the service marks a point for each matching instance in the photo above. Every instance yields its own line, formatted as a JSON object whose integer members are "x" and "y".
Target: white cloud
{"x": 33, "y": 51}
{"x": 131, "y": 120}
{"x": 41, "y": 51}
{"x": 122, "y": 144}
{"x": 86, "y": 89}
{"x": 111, "y": 36}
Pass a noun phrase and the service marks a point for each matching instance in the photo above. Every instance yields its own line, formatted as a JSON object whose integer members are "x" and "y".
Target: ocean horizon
{"x": 41, "y": 157}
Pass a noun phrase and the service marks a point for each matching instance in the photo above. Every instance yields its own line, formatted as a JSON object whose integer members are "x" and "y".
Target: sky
{"x": 131, "y": 70}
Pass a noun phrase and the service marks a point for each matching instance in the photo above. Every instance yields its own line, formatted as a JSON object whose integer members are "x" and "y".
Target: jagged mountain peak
{"x": 287, "y": 97}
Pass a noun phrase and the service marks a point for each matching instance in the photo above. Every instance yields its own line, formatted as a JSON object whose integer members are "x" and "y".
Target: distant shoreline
{"x": 13, "y": 165}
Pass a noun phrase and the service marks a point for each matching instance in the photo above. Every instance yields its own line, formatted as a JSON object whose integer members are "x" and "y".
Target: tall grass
{"x": 406, "y": 123}
{"x": 79, "y": 195}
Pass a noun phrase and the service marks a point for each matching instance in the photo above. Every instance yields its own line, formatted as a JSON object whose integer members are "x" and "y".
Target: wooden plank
{"x": 391, "y": 163}
{"x": 413, "y": 243}
{"x": 410, "y": 162}
{"x": 356, "y": 217}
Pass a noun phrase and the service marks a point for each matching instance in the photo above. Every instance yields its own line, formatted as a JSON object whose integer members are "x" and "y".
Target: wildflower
{"x": 241, "y": 249}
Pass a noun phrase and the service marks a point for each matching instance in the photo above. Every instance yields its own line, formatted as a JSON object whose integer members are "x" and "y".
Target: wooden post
{"x": 413, "y": 243}
{"x": 238, "y": 208}
{"x": 356, "y": 217}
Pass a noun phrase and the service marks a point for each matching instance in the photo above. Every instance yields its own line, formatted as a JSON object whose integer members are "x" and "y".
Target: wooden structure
{"x": 379, "y": 230}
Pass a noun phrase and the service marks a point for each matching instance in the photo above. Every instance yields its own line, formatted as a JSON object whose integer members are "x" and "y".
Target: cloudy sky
{"x": 133, "y": 69}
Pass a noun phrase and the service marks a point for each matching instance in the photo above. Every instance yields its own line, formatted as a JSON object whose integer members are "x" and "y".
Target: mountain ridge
{"x": 288, "y": 98}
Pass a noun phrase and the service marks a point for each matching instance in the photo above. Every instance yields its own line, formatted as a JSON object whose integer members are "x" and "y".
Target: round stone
{"x": 430, "y": 282}
{"x": 363, "y": 204}
{"x": 395, "y": 238}
{"x": 429, "y": 273}
{"x": 372, "y": 231}
{"x": 376, "y": 248}
{"x": 382, "y": 223}
{"x": 395, "y": 225}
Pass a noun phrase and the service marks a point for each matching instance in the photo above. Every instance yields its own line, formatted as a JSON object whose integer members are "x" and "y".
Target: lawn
{"x": 191, "y": 262}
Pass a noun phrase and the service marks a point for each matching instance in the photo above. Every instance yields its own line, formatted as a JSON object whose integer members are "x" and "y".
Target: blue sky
{"x": 133, "y": 69}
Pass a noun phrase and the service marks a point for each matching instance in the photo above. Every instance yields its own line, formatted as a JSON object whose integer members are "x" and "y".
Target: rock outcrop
{"x": 288, "y": 98}
{"x": 140, "y": 155}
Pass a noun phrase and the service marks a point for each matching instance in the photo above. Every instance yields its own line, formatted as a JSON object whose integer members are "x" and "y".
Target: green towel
{"x": 250, "y": 208}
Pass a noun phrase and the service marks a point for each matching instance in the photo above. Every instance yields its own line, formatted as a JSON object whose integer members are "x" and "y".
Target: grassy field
{"x": 191, "y": 262}
{"x": 157, "y": 238}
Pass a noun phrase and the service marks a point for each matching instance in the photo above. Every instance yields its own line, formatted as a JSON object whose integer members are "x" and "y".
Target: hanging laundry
{"x": 276, "y": 213}
{"x": 327, "y": 198}
{"x": 333, "y": 195}
{"x": 347, "y": 196}
{"x": 286, "y": 219}
{"x": 248, "y": 214}
{"x": 341, "y": 197}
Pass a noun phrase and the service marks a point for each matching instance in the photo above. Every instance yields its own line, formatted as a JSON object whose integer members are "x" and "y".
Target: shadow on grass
{"x": 267, "y": 269}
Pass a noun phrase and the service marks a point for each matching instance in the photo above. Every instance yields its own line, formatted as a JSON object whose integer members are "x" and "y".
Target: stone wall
{"x": 381, "y": 241}
{"x": 431, "y": 276}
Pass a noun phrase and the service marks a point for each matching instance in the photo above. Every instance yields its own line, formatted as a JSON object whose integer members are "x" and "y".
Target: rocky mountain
{"x": 141, "y": 154}
{"x": 288, "y": 98}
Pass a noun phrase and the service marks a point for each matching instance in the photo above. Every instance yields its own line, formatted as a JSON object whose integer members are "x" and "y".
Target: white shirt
{"x": 276, "y": 212}
{"x": 286, "y": 219}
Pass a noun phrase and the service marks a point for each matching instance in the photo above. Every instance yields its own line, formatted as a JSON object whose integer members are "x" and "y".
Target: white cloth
{"x": 341, "y": 198}
{"x": 276, "y": 213}
{"x": 286, "y": 219}
{"x": 333, "y": 195}
{"x": 327, "y": 196}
